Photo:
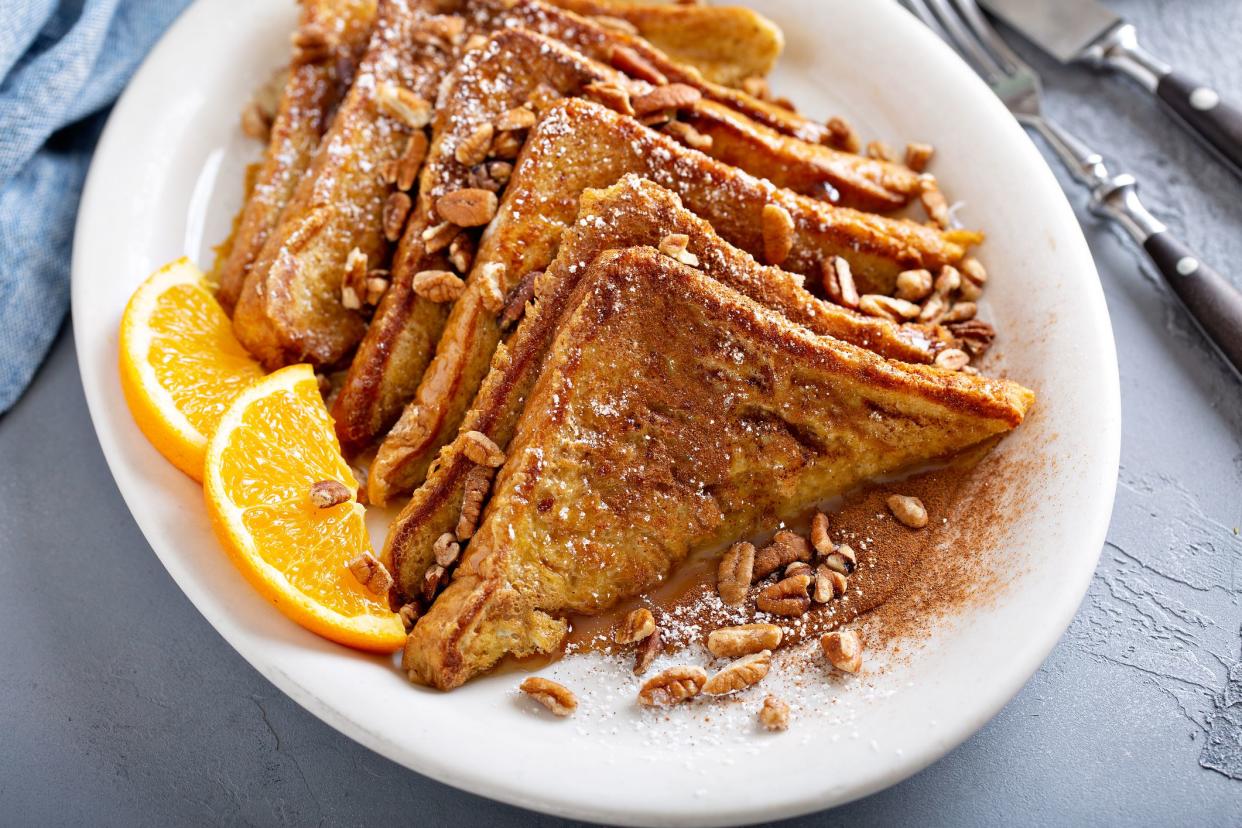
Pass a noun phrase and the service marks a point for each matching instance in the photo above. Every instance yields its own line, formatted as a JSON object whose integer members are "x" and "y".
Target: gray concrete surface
{"x": 119, "y": 705}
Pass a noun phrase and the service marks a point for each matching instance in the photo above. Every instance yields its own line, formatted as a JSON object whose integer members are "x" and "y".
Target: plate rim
{"x": 481, "y": 783}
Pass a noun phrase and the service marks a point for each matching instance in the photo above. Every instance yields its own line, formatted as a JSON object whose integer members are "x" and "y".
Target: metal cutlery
{"x": 1085, "y": 31}
{"x": 1213, "y": 303}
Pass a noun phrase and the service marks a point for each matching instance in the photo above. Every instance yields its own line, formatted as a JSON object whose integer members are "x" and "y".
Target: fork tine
{"x": 966, "y": 41}
{"x": 919, "y": 9}
{"x": 989, "y": 37}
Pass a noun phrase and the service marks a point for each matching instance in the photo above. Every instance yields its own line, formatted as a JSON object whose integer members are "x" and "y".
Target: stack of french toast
{"x": 587, "y": 299}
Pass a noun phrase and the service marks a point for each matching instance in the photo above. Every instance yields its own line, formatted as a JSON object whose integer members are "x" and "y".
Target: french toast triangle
{"x": 675, "y": 414}
{"x": 578, "y": 145}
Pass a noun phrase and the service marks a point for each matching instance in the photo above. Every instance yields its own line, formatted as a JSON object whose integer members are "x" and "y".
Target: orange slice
{"x": 180, "y": 364}
{"x": 275, "y": 441}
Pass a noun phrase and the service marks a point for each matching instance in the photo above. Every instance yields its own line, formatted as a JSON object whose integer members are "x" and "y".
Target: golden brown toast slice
{"x": 511, "y": 69}
{"x": 633, "y": 212}
{"x": 580, "y": 145}
{"x": 673, "y": 415}
{"x": 728, "y": 44}
{"x": 331, "y": 38}
{"x": 290, "y": 308}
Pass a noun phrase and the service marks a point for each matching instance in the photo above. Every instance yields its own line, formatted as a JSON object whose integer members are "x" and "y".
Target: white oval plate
{"x": 165, "y": 182}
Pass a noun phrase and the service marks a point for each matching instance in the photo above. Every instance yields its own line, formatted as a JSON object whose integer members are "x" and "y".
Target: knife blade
{"x": 1086, "y": 31}
{"x": 1065, "y": 29}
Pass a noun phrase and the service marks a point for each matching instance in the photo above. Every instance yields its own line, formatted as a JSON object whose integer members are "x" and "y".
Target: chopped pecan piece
{"x": 959, "y": 312}
{"x": 491, "y": 295}
{"x": 735, "y": 572}
{"x": 467, "y": 207}
{"x": 446, "y": 549}
{"x": 396, "y": 210}
{"x": 688, "y": 135}
{"x": 843, "y": 649}
{"x": 372, "y": 574}
{"x": 557, "y": 698}
{"x": 785, "y": 548}
{"x": 438, "y": 236}
{"x": 478, "y": 480}
{"x": 431, "y": 581}
{"x": 671, "y": 686}
{"x": 887, "y": 307}
{"x": 482, "y": 450}
{"x": 254, "y": 123}
{"x": 377, "y": 286}
{"x": 787, "y": 597}
{"x": 879, "y": 150}
{"x": 648, "y": 649}
{"x": 402, "y": 104}
{"x": 354, "y": 279}
{"x": 409, "y": 616}
{"x": 731, "y": 642}
{"x": 909, "y": 510}
{"x": 778, "y": 233}
{"x": 507, "y": 146}
{"x": 842, "y": 559}
{"x": 913, "y": 285}
{"x": 473, "y": 148}
{"x": 797, "y": 568}
{"x": 519, "y": 117}
{"x": 637, "y": 625}
{"x": 328, "y": 493}
{"x": 612, "y": 95}
{"x": 739, "y": 675}
{"x": 311, "y": 44}
{"x": 461, "y": 252}
{"x": 934, "y": 203}
{"x": 774, "y": 715}
{"x": 757, "y": 87}
{"x": 842, "y": 136}
{"x": 515, "y": 303}
{"x": 948, "y": 280}
{"x": 819, "y": 535}
{"x": 438, "y": 285}
{"x": 918, "y": 155}
{"x": 829, "y": 583}
{"x": 674, "y": 246}
{"x": 411, "y": 160}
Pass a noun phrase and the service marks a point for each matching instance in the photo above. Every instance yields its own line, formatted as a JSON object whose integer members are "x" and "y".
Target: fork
{"x": 1212, "y": 302}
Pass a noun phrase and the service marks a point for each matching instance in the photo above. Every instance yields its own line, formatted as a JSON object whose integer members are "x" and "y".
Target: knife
{"x": 1084, "y": 30}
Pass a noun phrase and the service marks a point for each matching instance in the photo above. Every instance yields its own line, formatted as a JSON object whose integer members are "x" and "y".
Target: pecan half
{"x": 735, "y": 572}
{"x": 372, "y": 574}
{"x": 328, "y": 493}
{"x": 557, "y": 698}
{"x": 477, "y": 482}
{"x": 474, "y": 147}
{"x": 481, "y": 449}
{"x": 774, "y": 715}
{"x": 887, "y": 307}
{"x": 952, "y": 359}
{"x": 909, "y": 510}
{"x": 786, "y": 597}
{"x": 838, "y": 280}
{"x": 731, "y": 642}
{"x": 959, "y": 312}
{"x": 637, "y": 625}
{"x": 785, "y": 548}
{"x": 670, "y": 96}
{"x": 778, "y": 233}
{"x": 468, "y": 207}
{"x": 438, "y": 285}
{"x": 671, "y": 686}
{"x": 519, "y": 117}
{"x": 843, "y": 649}
{"x": 739, "y": 675}
{"x": 976, "y": 335}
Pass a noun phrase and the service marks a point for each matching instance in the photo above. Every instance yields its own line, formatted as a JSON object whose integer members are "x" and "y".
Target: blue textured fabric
{"x": 62, "y": 64}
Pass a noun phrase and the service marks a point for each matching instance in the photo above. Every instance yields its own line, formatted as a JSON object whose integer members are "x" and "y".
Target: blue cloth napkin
{"x": 62, "y": 64}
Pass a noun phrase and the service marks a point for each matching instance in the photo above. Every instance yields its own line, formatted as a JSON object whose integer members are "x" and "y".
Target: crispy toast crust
{"x": 728, "y": 44}
{"x": 675, "y": 414}
{"x": 499, "y": 76}
{"x": 290, "y": 309}
{"x": 632, "y": 212}
{"x": 577, "y": 146}
{"x": 314, "y": 88}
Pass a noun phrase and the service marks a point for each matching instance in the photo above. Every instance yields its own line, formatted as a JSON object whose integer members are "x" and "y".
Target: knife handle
{"x": 1214, "y": 304}
{"x": 1200, "y": 107}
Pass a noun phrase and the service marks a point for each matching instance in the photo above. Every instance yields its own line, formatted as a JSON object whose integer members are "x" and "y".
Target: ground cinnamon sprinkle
{"x": 905, "y": 582}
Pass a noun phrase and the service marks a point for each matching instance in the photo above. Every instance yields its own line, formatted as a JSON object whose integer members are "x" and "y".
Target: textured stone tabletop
{"x": 120, "y": 705}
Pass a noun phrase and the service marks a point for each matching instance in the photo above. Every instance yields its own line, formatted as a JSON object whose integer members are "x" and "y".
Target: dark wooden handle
{"x": 1217, "y": 122}
{"x": 1214, "y": 304}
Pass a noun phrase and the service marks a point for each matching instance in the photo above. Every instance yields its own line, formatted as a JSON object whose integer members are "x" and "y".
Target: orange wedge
{"x": 180, "y": 364}
{"x": 275, "y": 441}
